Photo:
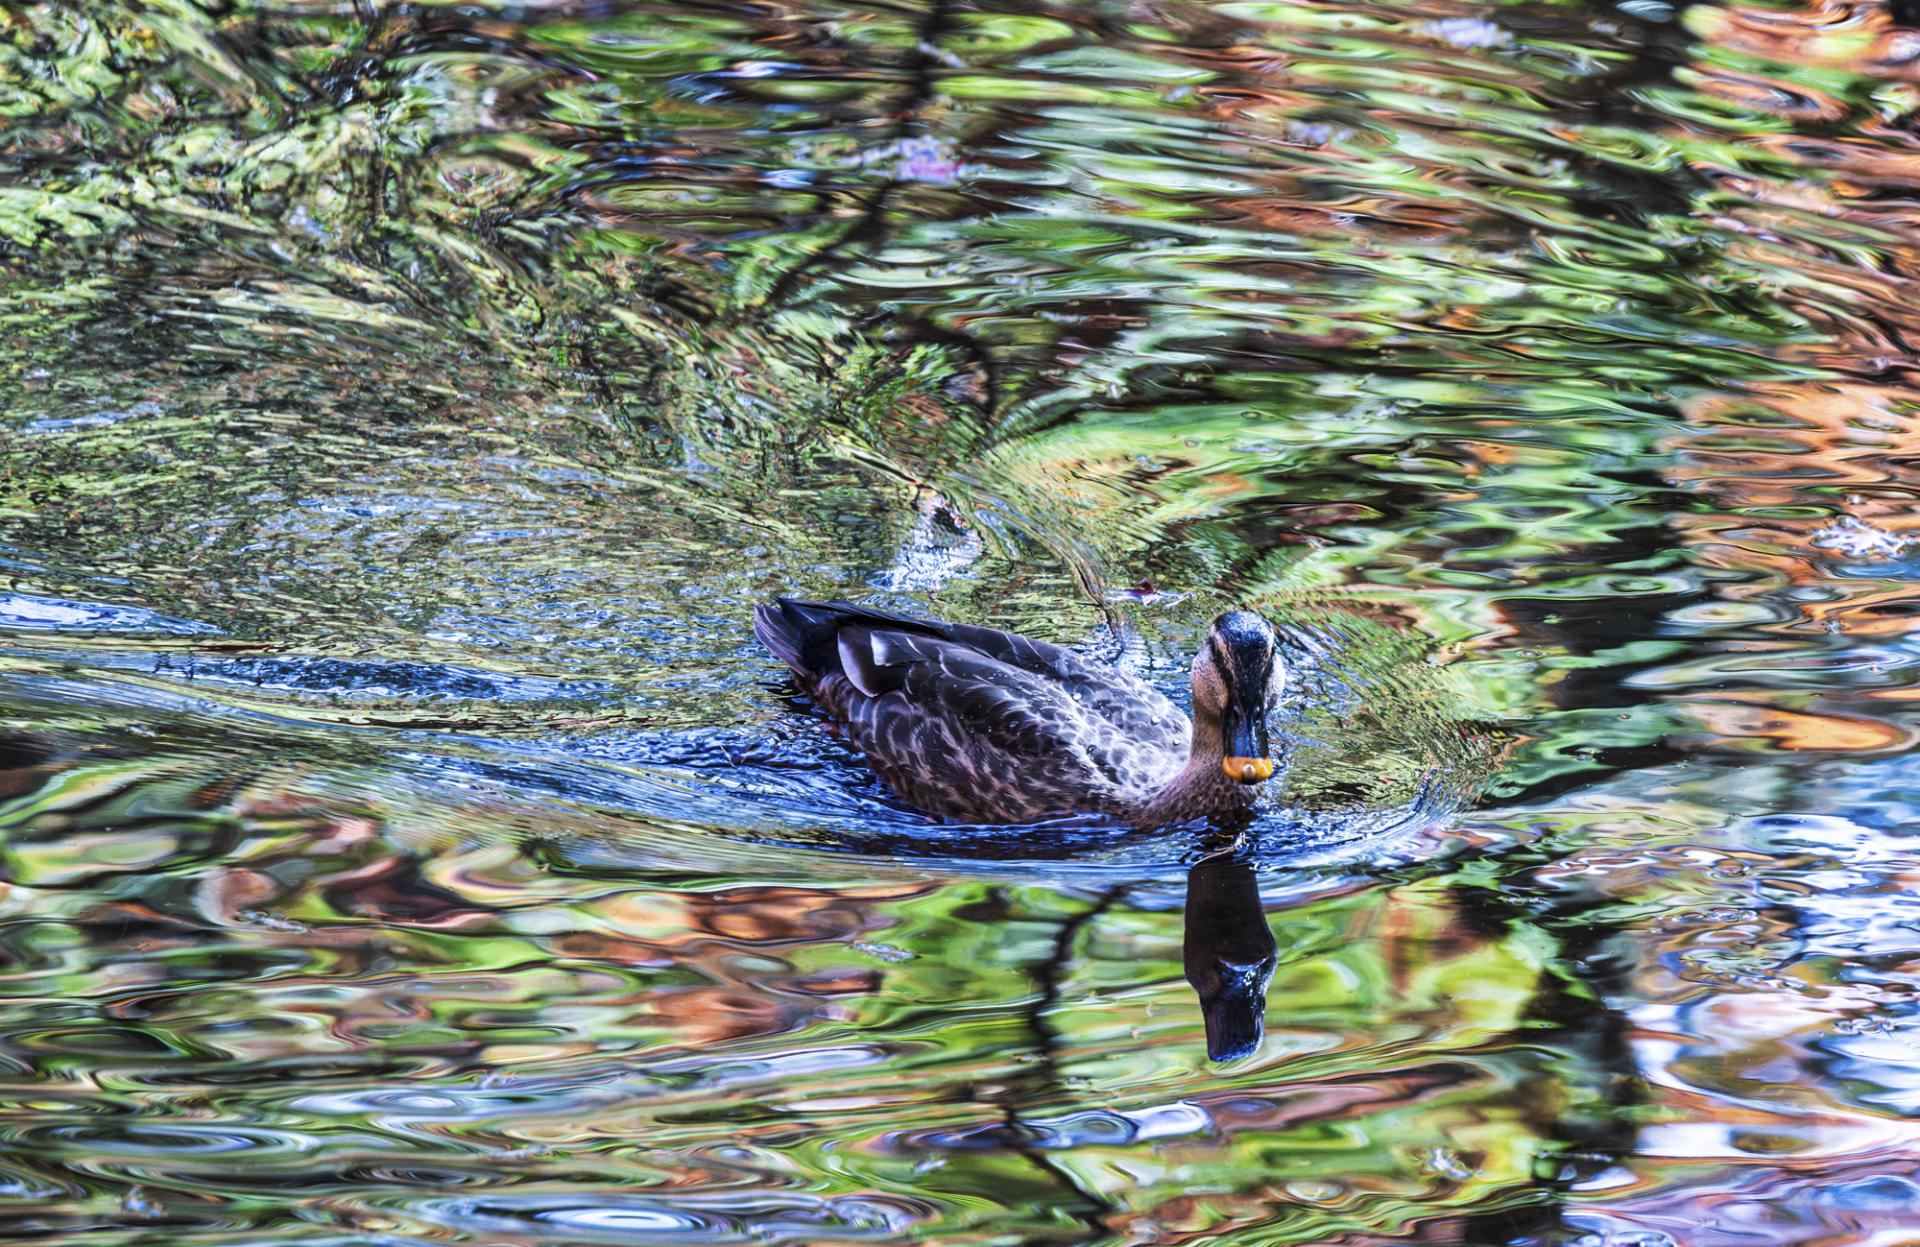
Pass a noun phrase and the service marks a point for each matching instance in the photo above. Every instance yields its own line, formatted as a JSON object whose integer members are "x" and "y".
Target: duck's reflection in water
{"x": 1229, "y": 953}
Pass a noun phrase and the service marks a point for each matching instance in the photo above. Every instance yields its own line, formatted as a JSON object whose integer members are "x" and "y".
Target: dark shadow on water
{"x": 1043, "y": 1083}
{"x": 1585, "y": 1103}
{"x": 22, "y": 762}
{"x": 20, "y": 752}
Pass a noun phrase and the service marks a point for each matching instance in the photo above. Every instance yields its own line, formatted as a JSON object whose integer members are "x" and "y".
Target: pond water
{"x": 405, "y": 841}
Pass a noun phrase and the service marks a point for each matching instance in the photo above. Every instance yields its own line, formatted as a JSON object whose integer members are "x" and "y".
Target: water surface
{"x": 405, "y": 841}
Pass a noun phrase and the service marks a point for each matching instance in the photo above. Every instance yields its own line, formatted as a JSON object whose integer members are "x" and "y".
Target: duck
{"x": 975, "y": 725}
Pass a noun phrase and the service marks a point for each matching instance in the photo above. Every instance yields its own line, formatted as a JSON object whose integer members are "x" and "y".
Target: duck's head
{"x": 1236, "y": 674}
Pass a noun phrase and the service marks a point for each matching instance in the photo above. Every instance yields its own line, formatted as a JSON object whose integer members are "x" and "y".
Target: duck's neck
{"x": 1201, "y": 788}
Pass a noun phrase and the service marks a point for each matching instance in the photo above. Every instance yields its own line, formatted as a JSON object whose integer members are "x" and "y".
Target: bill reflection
{"x": 1229, "y": 954}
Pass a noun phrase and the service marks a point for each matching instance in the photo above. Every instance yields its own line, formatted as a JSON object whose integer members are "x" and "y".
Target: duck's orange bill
{"x": 1247, "y": 770}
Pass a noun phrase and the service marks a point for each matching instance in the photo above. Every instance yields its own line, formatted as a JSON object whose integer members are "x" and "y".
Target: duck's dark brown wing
{"x": 971, "y": 722}
{"x": 805, "y": 635}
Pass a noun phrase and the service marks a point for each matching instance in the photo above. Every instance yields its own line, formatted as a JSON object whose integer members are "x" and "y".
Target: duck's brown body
{"x": 978, "y": 725}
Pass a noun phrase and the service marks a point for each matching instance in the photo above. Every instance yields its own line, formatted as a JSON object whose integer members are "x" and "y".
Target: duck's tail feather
{"x": 805, "y": 635}
{"x": 780, "y": 636}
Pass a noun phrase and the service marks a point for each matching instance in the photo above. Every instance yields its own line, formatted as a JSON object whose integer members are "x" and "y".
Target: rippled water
{"x": 405, "y": 840}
